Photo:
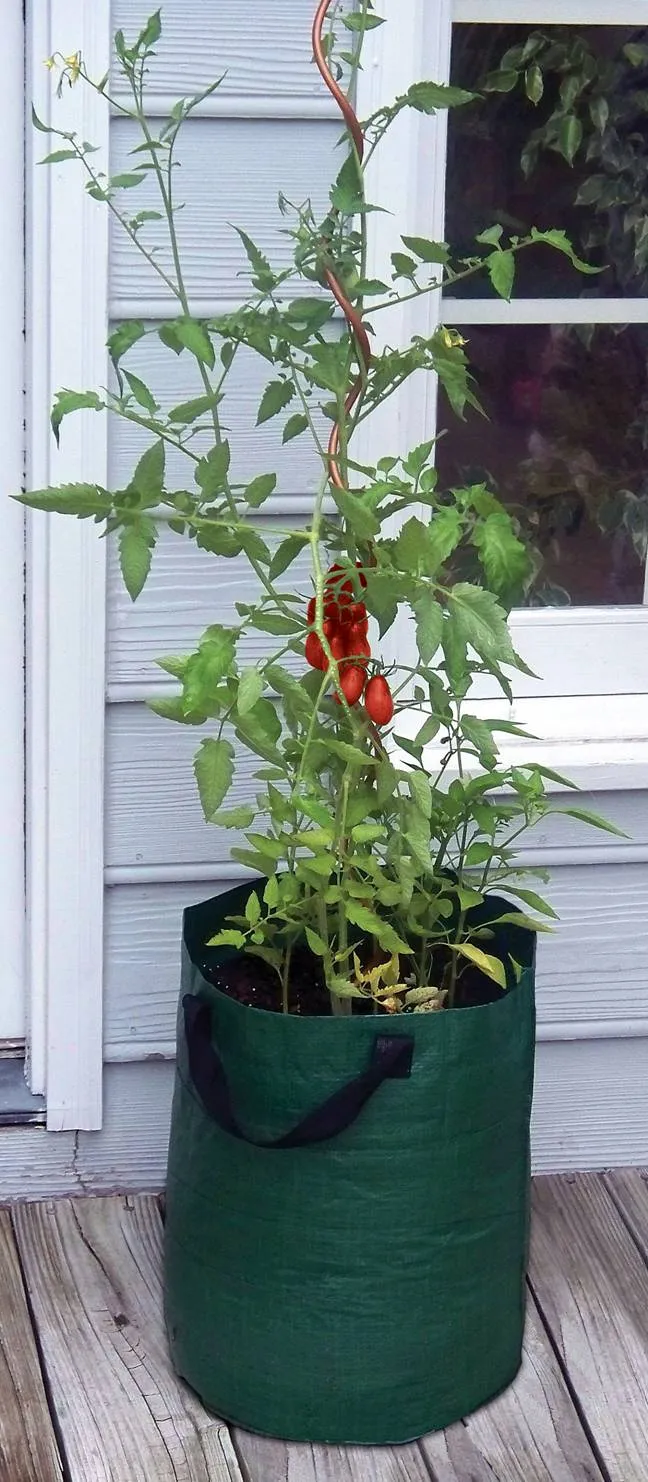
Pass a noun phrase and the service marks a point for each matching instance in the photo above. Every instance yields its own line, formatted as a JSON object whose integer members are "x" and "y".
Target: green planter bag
{"x": 347, "y": 1206}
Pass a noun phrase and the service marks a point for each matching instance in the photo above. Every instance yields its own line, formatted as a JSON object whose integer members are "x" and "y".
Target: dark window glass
{"x": 565, "y": 446}
{"x": 563, "y": 143}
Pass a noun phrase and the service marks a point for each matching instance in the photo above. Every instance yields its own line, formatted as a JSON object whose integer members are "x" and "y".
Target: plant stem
{"x": 285, "y": 979}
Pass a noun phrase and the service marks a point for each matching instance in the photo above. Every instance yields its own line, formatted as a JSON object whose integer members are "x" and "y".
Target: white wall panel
{"x": 153, "y": 814}
{"x": 579, "y": 1121}
{"x": 591, "y": 969}
{"x": 230, "y": 172}
{"x": 186, "y": 590}
{"x": 267, "y": 53}
{"x": 154, "y": 817}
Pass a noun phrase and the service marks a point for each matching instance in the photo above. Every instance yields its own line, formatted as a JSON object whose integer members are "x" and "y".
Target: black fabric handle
{"x": 391, "y": 1059}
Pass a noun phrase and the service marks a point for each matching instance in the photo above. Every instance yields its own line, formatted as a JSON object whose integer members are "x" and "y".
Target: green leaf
{"x": 189, "y": 411}
{"x": 136, "y": 545}
{"x": 368, "y": 833}
{"x": 426, "y": 250}
{"x": 585, "y": 816}
{"x": 316, "y": 942}
{"x": 428, "y": 731}
{"x": 599, "y": 113}
{"x": 241, "y": 817}
{"x": 427, "y": 97}
{"x": 492, "y": 235}
{"x": 42, "y": 128}
{"x": 295, "y": 425}
{"x": 501, "y": 271}
{"x": 211, "y": 472}
{"x": 501, "y": 82}
{"x": 359, "y": 516}
{"x": 73, "y": 401}
{"x": 148, "y": 479}
{"x": 126, "y": 181}
{"x": 368, "y": 921}
{"x": 83, "y": 500}
{"x": 260, "y": 489}
{"x": 123, "y": 337}
{"x": 228, "y": 937}
{"x": 263, "y": 277}
{"x": 214, "y": 771}
{"x": 358, "y": 21}
{"x": 194, "y": 337}
{"x": 271, "y": 893}
{"x": 285, "y": 554}
{"x": 560, "y": 241}
{"x": 274, "y": 622}
{"x": 481, "y": 622}
{"x": 347, "y": 194}
{"x": 532, "y": 899}
{"x": 422, "y": 549}
{"x": 58, "y": 155}
{"x": 534, "y": 83}
{"x": 421, "y": 792}
{"x": 505, "y": 559}
{"x": 429, "y": 626}
{"x": 170, "y": 707}
{"x": 491, "y": 967}
{"x": 570, "y": 136}
{"x": 168, "y": 334}
{"x": 404, "y": 266}
{"x": 151, "y": 33}
{"x": 250, "y": 689}
{"x": 141, "y": 393}
{"x": 275, "y": 397}
{"x": 253, "y": 908}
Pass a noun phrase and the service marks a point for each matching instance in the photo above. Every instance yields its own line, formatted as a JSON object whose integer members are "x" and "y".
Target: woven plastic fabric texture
{"x": 370, "y": 1288}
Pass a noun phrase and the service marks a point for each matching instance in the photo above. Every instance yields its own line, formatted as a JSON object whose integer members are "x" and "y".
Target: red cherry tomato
{"x": 352, "y": 683}
{"x": 314, "y": 652}
{"x": 310, "y": 610}
{"x": 378, "y": 701}
{"x": 358, "y": 613}
{"x": 357, "y": 644}
{"x": 338, "y": 647}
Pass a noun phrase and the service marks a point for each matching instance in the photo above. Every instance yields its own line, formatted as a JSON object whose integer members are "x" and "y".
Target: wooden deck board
{"x": 576, "y": 1413}
{"x": 92, "y": 1268}
{"x": 591, "y": 1282}
{"x": 276, "y": 1461}
{"x": 629, "y": 1189}
{"x": 28, "y": 1449}
{"x": 532, "y": 1433}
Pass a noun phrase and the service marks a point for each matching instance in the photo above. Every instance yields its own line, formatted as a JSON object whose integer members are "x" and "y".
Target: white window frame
{"x": 12, "y": 723}
{"x": 67, "y": 289}
{"x": 588, "y": 651}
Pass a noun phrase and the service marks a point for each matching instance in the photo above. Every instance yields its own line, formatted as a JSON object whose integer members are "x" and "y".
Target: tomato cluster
{"x": 345, "y": 628}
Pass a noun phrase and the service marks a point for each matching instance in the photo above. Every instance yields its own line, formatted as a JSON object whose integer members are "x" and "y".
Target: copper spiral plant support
{"x": 352, "y": 315}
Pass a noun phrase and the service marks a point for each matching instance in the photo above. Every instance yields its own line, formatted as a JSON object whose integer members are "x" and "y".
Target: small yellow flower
{"x": 73, "y": 66}
{"x": 451, "y": 339}
{"x": 50, "y": 63}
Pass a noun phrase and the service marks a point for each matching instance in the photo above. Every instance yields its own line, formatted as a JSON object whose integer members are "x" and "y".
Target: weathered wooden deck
{"x": 87, "y": 1393}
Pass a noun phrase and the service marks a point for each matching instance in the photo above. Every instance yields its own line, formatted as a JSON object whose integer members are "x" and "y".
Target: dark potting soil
{"x": 252, "y": 981}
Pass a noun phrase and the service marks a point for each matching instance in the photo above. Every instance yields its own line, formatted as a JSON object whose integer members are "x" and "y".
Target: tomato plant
{"x": 375, "y": 828}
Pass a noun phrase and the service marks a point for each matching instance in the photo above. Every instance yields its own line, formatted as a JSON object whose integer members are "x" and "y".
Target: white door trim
{"x": 67, "y": 291}
{"x": 12, "y": 543}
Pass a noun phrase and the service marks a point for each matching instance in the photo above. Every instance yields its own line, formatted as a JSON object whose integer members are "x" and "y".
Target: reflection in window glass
{"x": 564, "y": 444}
{"x": 558, "y": 138}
